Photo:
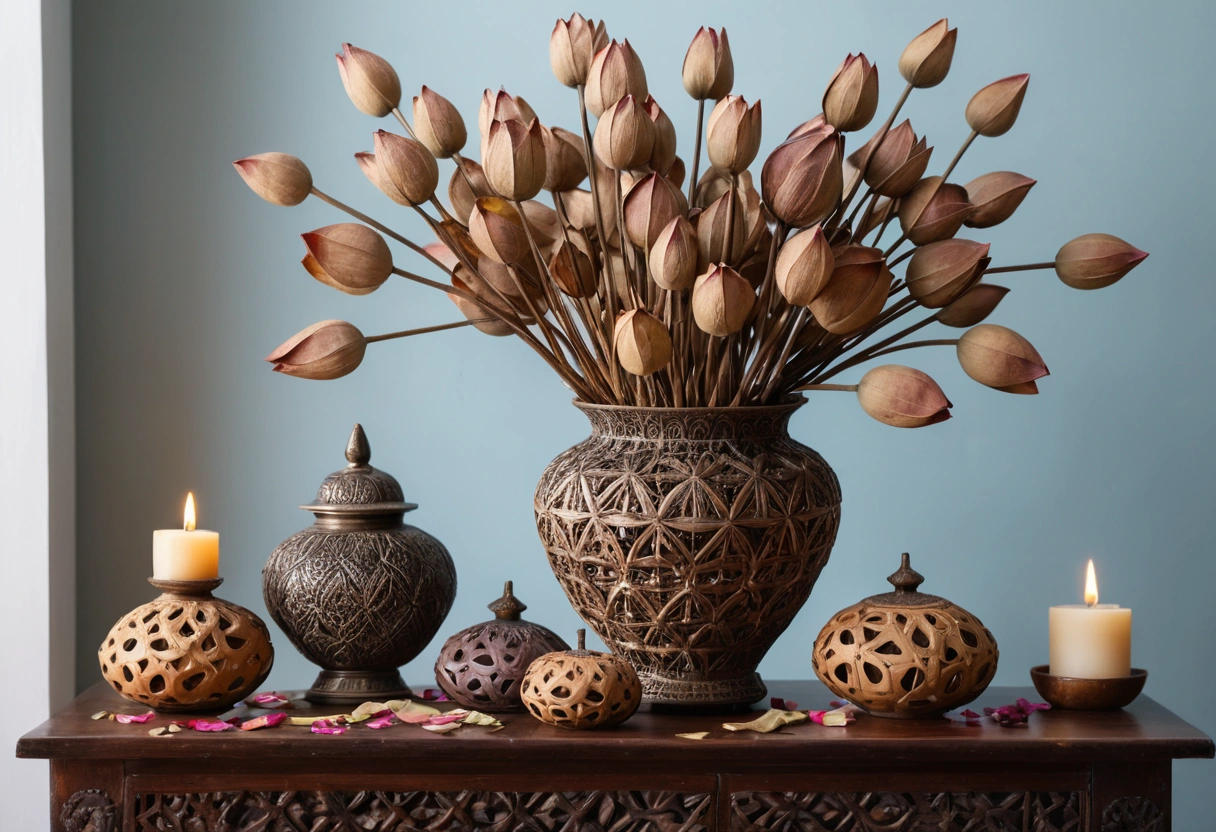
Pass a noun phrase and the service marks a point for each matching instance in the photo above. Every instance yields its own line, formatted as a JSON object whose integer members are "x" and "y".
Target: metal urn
{"x": 359, "y": 592}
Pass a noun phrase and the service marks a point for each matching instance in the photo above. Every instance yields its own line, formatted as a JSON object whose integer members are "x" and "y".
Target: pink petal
{"x": 324, "y": 726}
{"x": 444, "y": 719}
{"x": 209, "y": 725}
{"x": 271, "y": 700}
{"x": 264, "y": 721}
{"x": 434, "y": 694}
{"x": 127, "y": 719}
{"x": 385, "y": 720}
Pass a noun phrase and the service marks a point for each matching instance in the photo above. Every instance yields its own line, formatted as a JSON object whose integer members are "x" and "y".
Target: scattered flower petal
{"x": 101, "y": 715}
{"x": 767, "y": 723}
{"x": 264, "y": 721}
{"x": 1009, "y": 716}
{"x": 971, "y": 717}
{"x": 309, "y": 720}
{"x": 128, "y": 719}
{"x": 270, "y": 700}
{"x": 695, "y": 735}
{"x": 441, "y": 728}
{"x": 483, "y": 720}
{"x": 415, "y": 713}
{"x": 383, "y": 720}
{"x": 777, "y": 703}
{"x": 376, "y": 708}
{"x": 165, "y": 730}
{"x": 209, "y": 725}
{"x": 444, "y": 719}
{"x": 326, "y": 726}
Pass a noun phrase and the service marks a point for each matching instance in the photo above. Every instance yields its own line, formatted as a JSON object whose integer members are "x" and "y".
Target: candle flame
{"x": 1091, "y": 585}
{"x": 188, "y": 520}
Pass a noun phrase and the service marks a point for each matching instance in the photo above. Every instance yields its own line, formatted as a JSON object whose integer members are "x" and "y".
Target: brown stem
{"x": 405, "y": 124}
{"x": 1023, "y": 268}
{"x": 868, "y": 353}
{"x": 406, "y": 333}
{"x": 950, "y": 167}
{"x": 881, "y": 134}
{"x": 610, "y": 291}
{"x": 696, "y": 153}
{"x": 843, "y": 388}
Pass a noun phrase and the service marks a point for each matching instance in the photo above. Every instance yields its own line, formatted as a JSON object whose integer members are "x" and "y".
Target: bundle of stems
{"x": 643, "y": 290}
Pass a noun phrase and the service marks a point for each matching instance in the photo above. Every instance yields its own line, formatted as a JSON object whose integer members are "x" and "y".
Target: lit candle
{"x": 1091, "y": 641}
{"x": 185, "y": 554}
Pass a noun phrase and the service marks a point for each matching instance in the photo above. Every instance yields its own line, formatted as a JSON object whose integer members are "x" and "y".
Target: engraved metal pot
{"x": 359, "y": 592}
{"x": 688, "y": 539}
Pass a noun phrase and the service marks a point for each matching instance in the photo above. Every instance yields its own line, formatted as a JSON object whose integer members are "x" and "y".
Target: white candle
{"x": 185, "y": 554}
{"x": 1090, "y": 640}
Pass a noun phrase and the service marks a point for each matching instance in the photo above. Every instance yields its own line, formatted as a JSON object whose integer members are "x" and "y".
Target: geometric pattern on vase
{"x": 906, "y": 812}
{"x": 360, "y": 600}
{"x": 688, "y": 539}
{"x": 250, "y": 811}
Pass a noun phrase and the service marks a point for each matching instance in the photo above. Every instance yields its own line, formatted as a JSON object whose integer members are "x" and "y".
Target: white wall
{"x": 36, "y": 390}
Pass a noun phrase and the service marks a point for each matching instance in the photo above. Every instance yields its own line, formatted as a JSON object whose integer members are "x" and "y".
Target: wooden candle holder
{"x": 187, "y": 650}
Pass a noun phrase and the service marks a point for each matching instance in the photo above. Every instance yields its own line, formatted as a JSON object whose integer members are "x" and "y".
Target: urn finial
{"x": 508, "y": 607}
{"x": 906, "y": 579}
{"x": 358, "y": 451}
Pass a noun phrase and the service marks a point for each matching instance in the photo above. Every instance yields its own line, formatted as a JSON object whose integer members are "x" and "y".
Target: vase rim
{"x": 790, "y": 404}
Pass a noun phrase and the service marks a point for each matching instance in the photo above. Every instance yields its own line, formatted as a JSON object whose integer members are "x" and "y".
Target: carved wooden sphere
{"x": 581, "y": 688}
{"x": 905, "y": 653}
{"x": 359, "y": 592}
{"x": 186, "y": 651}
{"x": 482, "y": 667}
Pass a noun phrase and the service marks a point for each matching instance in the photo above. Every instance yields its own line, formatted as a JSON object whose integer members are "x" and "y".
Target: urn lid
{"x": 906, "y": 580}
{"x": 359, "y": 488}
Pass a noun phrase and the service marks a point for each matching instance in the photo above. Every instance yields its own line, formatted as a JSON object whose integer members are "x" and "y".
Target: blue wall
{"x": 185, "y": 280}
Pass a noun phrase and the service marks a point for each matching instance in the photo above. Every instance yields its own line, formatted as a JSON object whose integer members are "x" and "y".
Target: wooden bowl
{"x": 1088, "y": 694}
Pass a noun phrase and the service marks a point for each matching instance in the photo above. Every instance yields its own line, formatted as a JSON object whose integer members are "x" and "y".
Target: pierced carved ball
{"x": 482, "y": 667}
{"x": 582, "y": 688}
{"x": 905, "y": 653}
{"x": 187, "y": 651}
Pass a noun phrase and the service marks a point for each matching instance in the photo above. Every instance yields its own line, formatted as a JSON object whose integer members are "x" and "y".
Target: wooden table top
{"x": 1143, "y": 731}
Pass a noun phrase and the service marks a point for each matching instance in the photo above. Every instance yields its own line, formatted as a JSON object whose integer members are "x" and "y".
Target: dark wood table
{"x": 1074, "y": 771}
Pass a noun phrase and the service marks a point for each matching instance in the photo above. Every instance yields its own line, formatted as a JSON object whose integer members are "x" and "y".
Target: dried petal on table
{"x": 384, "y": 719}
{"x": 770, "y": 721}
{"x": 375, "y": 708}
{"x": 695, "y": 735}
{"x": 269, "y": 700}
{"x": 165, "y": 730}
{"x": 128, "y": 719}
{"x": 442, "y": 727}
{"x": 1017, "y": 714}
{"x": 101, "y": 715}
{"x": 326, "y": 726}
{"x": 835, "y": 718}
{"x": 264, "y": 721}
{"x": 415, "y": 713}
{"x": 483, "y": 720}
{"x": 209, "y": 725}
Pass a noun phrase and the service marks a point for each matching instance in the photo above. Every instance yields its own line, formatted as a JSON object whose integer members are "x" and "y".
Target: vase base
{"x": 664, "y": 694}
{"x": 345, "y": 687}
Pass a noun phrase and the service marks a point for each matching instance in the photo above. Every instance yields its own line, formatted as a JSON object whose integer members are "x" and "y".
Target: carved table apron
{"x": 1065, "y": 772}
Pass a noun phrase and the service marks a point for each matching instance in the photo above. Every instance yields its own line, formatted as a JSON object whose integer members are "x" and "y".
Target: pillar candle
{"x": 1090, "y": 640}
{"x": 186, "y": 554}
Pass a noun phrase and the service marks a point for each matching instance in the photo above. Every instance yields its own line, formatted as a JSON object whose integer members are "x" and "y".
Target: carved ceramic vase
{"x": 905, "y": 654}
{"x": 359, "y": 592}
{"x": 688, "y": 539}
{"x": 481, "y": 667}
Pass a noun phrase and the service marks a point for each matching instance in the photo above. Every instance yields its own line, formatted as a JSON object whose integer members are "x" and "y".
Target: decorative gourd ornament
{"x": 482, "y": 667}
{"x": 905, "y": 653}
{"x": 582, "y": 688}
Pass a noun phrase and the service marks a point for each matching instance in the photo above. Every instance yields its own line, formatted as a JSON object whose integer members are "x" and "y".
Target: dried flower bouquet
{"x": 637, "y": 293}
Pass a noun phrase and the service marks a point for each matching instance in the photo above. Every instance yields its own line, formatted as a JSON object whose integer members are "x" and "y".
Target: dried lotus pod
{"x": 581, "y": 688}
{"x": 468, "y": 182}
{"x": 370, "y": 81}
{"x": 995, "y": 196}
{"x": 498, "y": 231}
{"x": 973, "y": 307}
{"x": 856, "y": 292}
{"x": 573, "y": 266}
{"x": 933, "y": 210}
{"x": 851, "y": 98}
{"x": 993, "y": 110}
{"x": 278, "y": 178}
{"x": 804, "y": 266}
{"x": 408, "y": 165}
{"x": 571, "y": 49}
{"x": 473, "y": 311}
{"x": 722, "y": 301}
{"x": 1094, "y": 261}
{"x": 897, "y": 164}
{"x": 324, "y": 351}
{"x": 643, "y": 344}
{"x": 624, "y": 135}
{"x": 732, "y": 134}
{"x": 514, "y": 158}
{"x": 802, "y": 179}
{"x": 925, "y": 61}
{"x": 663, "y": 155}
{"x": 902, "y": 397}
{"x": 438, "y": 124}
{"x": 673, "y": 256}
{"x": 565, "y": 161}
{"x": 350, "y": 257}
{"x": 940, "y": 273}
{"x": 712, "y": 224}
{"x": 616, "y": 71}
{"x": 651, "y": 204}
{"x": 709, "y": 70}
{"x": 998, "y": 357}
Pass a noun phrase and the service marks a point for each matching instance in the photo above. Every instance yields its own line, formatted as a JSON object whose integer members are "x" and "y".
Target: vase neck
{"x": 705, "y": 424}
